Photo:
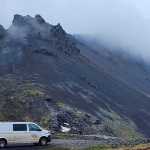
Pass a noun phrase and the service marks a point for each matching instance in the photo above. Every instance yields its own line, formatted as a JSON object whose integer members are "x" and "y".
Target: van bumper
{"x": 49, "y": 138}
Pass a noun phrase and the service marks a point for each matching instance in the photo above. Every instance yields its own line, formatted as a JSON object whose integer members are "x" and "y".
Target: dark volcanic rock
{"x": 63, "y": 42}
{"x": 19, "y": 20}
{"x": 45, "y": 52}
{"x": 71, "y": 74}
{"x": 2, "y": 31}
{"x": 58, "y": 31}
{"x": 39, "y": 19}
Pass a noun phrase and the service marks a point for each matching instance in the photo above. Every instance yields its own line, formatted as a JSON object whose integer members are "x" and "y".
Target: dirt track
{"x": 70, "y": 144}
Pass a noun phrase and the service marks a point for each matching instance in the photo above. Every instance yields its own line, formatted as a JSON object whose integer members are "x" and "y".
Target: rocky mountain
{"x": 51, "y": 77}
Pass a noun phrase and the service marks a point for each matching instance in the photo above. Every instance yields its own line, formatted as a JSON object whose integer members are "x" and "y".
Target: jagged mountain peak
{"x": 24, "y": 20}
{"x": 35, "y": 35}
{"x": 20, "y": 20}
{"x": 2, "y": 31}
{"x": 27, "y": 27}
{"x": 37, "y": 24}
{"x": 59, "y": 28}
{"x": 39, "y": 19}
{"x": 58, "y": 31}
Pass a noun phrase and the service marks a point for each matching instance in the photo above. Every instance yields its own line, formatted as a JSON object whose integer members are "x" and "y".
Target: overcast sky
{"x": 75, "y": 15}
{"x": 123, "y": 22}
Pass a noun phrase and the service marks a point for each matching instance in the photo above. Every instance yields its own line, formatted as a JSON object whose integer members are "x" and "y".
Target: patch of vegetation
{"x": 116, "y": 125}
{"x": 137, "y": 147}
{"x": 63, "y": 136}
{"x": 60, "y": 104}
{"x": 122, "y": 129}
{"x": 100, "y": 147}
{"x": 141, "y": 147}
{"x": 45, "y": 121}
{"x": 22, "y": 101}
{"x": 33, "y": 93}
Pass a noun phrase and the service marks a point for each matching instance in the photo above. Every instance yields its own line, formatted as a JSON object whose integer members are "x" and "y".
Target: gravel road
{"x": 76, "y": 144}
{"x": 70, "y": 144}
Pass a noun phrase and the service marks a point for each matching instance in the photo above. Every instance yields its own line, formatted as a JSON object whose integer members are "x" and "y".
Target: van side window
{"x": 33, "y": 127}
{"x": 19, "y": 127}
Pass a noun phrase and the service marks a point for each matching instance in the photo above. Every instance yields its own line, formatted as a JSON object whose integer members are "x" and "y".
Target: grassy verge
{"x": 100, "y": 147}
{"x": 138, "y": 147}
{"x": 66, "y": 136}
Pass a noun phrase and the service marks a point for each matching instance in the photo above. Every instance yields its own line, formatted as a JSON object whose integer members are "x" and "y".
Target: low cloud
{"x": 121, "y": 23}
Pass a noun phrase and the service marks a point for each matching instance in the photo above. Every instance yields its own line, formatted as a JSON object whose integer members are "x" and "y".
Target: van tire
{"x": 3, "y": 143}
{"x": 43, "y": 141}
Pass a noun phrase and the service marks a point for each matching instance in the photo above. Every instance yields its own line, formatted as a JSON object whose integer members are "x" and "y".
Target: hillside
{"x": 46, "y": 72}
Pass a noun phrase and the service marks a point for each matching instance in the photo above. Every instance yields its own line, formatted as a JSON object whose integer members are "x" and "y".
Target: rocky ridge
{"x": 47, "y": 78}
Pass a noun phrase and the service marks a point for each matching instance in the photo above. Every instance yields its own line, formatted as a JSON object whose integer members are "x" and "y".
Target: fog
{"x": 121, "y": 23}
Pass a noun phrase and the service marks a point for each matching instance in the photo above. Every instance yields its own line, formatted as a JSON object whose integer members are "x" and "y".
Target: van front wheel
{"x": 43, "y": 141}
{"x": 3, "y": 143}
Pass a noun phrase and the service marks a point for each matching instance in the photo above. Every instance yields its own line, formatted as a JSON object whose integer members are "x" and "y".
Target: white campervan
{"x": 22, "y": 132}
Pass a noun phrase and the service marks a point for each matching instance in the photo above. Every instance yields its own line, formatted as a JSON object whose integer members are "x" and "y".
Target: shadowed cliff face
{"x": 45, "y": 54}
{"x": 2, "y": 32}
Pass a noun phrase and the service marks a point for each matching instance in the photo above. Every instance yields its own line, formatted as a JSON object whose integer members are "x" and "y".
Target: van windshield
{"x": 33, "y": 127}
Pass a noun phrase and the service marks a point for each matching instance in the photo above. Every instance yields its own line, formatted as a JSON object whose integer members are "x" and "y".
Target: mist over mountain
{"x": 120, "y": 23}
